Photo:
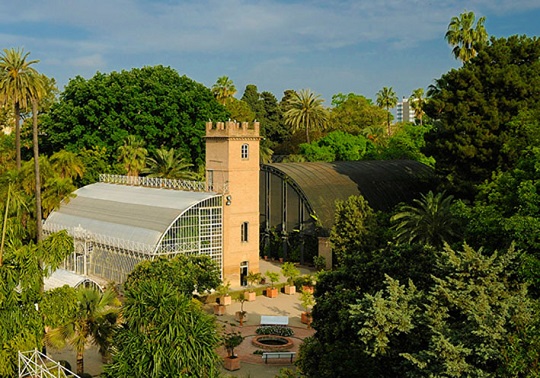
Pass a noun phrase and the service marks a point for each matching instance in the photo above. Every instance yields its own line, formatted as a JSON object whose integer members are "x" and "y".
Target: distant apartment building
{"x": 404, "y": 111}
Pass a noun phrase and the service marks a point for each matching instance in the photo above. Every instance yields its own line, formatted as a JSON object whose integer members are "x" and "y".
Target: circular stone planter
{"x": 272, "y": 342}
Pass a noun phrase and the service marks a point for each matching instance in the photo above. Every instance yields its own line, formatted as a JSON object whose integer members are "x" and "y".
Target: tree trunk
{"x": 18, "y": 135}
{"x": 80, "y": 363}
{"x": 39, "y": 223}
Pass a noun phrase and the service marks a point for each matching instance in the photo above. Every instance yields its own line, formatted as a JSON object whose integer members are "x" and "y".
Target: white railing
{"x": 35, "y": 364}
{"x": 154, "y": 182}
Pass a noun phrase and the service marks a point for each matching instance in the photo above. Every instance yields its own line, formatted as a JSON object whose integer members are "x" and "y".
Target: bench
{"x": 267, "y": 320}
{"x": 267, "y": 355}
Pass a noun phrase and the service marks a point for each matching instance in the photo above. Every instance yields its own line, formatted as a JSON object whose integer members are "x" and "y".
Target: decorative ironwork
{"x": 198, "y": 231}
{"x": 35, "y": 364}
{"x": 154, "y": 182}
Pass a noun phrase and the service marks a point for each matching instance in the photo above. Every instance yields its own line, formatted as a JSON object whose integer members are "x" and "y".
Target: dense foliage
{"x": 154, "y": 103}
{"x": 481, "y": 124}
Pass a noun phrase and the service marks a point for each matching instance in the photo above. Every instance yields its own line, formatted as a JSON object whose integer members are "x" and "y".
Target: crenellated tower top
{"x": 232, "y": 129}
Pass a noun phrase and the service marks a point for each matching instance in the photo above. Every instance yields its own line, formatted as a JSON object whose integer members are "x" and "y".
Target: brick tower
{"x": 232, "y": 168}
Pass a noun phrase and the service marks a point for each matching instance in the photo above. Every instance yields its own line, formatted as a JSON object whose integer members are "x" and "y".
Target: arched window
{"x": 245, "y": 151}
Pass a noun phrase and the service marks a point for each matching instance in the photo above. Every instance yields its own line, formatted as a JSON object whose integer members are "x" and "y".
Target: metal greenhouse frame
{"x": 115, "y": 227}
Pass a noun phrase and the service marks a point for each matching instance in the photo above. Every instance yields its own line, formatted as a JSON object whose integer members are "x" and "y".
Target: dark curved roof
{"x": 383, "y": 183}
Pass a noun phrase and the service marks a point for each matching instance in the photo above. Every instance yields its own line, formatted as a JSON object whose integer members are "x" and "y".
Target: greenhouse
{"x": 121, "y": 221}
{"x": 300, "y": 196}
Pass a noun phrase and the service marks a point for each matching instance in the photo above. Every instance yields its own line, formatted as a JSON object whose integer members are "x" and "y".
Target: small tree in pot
{"x": 290, "y": 272}
{"x": 231, "y": 340}
{"x": 272, "y": 291}
{"x": 252, "y": 278}
{"x": 307, "y": 300}
{"x": 241, "y": 315}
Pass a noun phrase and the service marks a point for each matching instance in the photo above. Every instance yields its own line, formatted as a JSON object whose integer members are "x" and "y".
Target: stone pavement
{"x": 252, "y": 365}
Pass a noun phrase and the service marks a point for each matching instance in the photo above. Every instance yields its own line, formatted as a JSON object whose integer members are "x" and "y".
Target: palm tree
{"x": 418, "y": 102}
{"x": 19, "y": 84}
{"x": 133, "y": 155}
{"x": 428, "y": 221}
{"x": 67, "y": 164}
{"x": 305, "y": 111}
{"x": 465, "y": 37}
{"x": 386, "y": 98}
{"x": 168, "y": 164}
{"x": 94, "y": 322}
{"x": 223, "y": 90}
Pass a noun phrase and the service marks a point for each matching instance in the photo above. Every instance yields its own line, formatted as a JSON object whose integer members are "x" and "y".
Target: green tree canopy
{"x": 466, "y": 37}
{"x": 336, "y": 146}
{"x": 479, "y": 111}
{"x": 306, "y": 112}
{"x": 354, "y": 113}
{"x": 153, "y": 103}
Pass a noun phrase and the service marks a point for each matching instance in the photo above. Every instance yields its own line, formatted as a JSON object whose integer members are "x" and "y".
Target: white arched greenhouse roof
{"x": 135, "y": 213}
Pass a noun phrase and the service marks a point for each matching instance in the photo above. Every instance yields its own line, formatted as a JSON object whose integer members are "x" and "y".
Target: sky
{"x": 329, "y": 47}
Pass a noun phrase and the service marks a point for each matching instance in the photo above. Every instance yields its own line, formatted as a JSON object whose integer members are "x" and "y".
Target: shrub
{"x": 275, "y": 330}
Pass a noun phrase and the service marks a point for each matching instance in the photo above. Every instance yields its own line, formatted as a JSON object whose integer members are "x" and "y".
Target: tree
{"x": 465, "y": 37}
{"x": 336, "y": 146}
{"x": 186, "y": 274}
{"x": 417, "y": 102}
{"x": 428, "y": 221}
{"x": 476, "y": 319}
{"x": 21, "y": 283}
{"x": 67, "y": 164}
{"x": 239, "y": 110}
{"x": 19, "y": 84}
{"x": 168, "y": 164}
{"x": 386, "y": 98}
{"x": 224, "y": 90}
{"x": 188, "y": 337}
{"x": 155, "y": 104}
{"x": 93, "y": 321}
{"x": 306, "y": 112}
{"x": 481, "y": 109}
{"x": 354, "y": 113}
{"x": 252, "y": 97}
{"x": 133, "y": 155}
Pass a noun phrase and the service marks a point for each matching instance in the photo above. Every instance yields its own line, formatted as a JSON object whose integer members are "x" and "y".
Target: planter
{"x": 308, "y": 289}
{"x": 239, "y": 318}
{"x": 272, "y": 292}
{"x": 231, "y": 363}
{"x": 306, "y": 318}
{"x": 219, "y": 309}
{"x": 226, "y": 300}
{"x": 289, "y": 289}
{"x": 250, "y": 296}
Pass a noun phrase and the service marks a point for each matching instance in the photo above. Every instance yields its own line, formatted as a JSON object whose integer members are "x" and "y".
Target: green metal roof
{"x": 383, "y": 183}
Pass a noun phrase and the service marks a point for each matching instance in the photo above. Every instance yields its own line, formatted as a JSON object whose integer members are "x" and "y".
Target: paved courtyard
{"x": 252, "y": 365}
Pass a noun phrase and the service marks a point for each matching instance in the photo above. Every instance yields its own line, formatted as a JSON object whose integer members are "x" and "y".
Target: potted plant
{"x": 272, "y": 291}
{"x": 231, "y": 340}
{"x": 307, "y": 300}
{"x": 223, "y": 299}
{"x": 252, "y": 278}
{"x": 241, "y": 316}
{"x": 290, "y": 272}
{"x": 308, "y": 283}
{"x": 224, "y": 291}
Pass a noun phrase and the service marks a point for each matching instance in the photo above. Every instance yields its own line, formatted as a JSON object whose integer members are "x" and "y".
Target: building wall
{"x": 237, "y": 178}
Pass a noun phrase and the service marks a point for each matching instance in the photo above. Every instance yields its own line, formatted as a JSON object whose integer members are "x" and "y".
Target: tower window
{"x": 244, "y": 236}
{"x": 245, "y": 151}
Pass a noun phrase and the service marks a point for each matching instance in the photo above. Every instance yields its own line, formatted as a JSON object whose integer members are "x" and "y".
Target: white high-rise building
{"x": 404, "y": 111}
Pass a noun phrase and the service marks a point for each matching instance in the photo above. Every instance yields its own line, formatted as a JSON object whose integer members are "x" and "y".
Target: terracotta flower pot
{"x": 219, "y": 309}
{"x": 231, "y": 363}
{"x": 306, "y": 318}
{"x": 289, "y": 289}
{"x": 226, "y": 300}
{"x": 250, "y": 296}
{"x": 272, "y": 292}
